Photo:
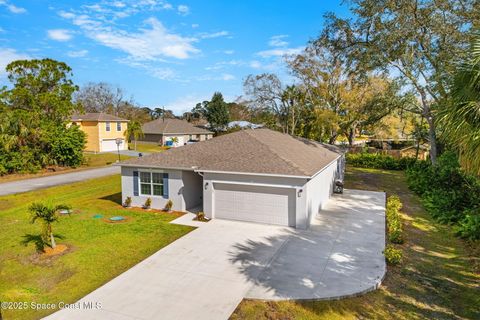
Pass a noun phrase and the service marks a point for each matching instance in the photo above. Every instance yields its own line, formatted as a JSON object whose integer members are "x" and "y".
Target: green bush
{"x": 393, "y": 255}
{"x": 378, "y": 161}
{"x": 394, "y": 222}
{"x": 469, "y": 226}
{"x": 448, "y": 193}
{"x": 67, "y": 146}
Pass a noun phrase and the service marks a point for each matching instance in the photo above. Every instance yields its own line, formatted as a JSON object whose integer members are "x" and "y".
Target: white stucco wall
{"x": 175, "y": 188}
{"x": 320, "y": 188}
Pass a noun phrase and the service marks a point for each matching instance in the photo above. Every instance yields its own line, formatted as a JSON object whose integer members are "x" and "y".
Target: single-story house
{"x": 255, "y": 175}
{"x": 173, "y": 132}
{"x": 103, "y": 131}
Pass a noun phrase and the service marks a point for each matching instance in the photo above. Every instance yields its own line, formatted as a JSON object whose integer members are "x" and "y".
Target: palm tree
{"x": 48, "y": 213}
{"x": 461, "y": 119}
{"x": 134, "y": 129}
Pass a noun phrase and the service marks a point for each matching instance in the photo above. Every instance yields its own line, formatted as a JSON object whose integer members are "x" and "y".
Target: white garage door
{"x": 111, "y": 145}
{"x": 255, "y": 203}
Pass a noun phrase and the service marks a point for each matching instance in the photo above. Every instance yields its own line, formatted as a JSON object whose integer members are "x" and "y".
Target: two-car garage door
{"x": 271, "y": 205}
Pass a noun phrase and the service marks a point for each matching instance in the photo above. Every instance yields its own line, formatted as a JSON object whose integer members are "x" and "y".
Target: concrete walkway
{"x": 207, "y": 273}
{"x": 55, "y": 180}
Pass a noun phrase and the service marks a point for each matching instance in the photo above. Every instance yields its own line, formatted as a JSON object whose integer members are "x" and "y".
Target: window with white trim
{"x": 151, "y": 183}
{"x": 107, "y": 126}
{"x": 119, "y": 126}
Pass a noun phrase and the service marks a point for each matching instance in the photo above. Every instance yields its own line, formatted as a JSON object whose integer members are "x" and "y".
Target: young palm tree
{"x": 48, "y": 213}
{"x": 461, "y": 119}
{"x": 134, "y": 129}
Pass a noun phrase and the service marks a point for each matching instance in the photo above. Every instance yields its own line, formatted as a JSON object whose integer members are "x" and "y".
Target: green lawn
{"x": 147, "y": 147}
{"x": 438, "y": 279}
{"x": 98, "y": 251}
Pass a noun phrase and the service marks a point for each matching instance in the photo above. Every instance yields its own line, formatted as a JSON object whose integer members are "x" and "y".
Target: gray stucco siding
{"x": 175, "y": 188}
{"x": 320, "y": 188}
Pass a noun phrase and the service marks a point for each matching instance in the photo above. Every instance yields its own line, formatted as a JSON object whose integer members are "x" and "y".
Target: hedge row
{"x": 378, "y": 161}
{"x": 394, "y": 222}
{"x": 394, "y": 255}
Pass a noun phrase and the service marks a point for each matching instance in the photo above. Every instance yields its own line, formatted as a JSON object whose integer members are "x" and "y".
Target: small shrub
{"x": 393, "y": 255}
{"x": 148, "y": 203}
{"x": 201, "y": 216}
{"x": 128, "y": 202}
{"x": 469, "y": 226}
{"x": 394, "y": 221}
{"x": 169, "y": 205}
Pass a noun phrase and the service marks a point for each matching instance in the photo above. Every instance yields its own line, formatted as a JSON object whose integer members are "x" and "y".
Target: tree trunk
{"x": 52, "y": 238}
{"x": 432, "y": 136}
{"x": 135, "y": 143}
{"x": 333, "y": 138}
{"x": 351, "y": 136}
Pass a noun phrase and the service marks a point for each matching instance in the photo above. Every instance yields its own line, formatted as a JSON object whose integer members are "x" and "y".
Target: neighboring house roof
{"x": 96, "y": 116}
{"x": 172, "y": 126}
{"x": 260, "y": 151}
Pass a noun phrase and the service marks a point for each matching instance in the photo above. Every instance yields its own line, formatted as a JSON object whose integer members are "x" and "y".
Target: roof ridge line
{"x": 276, "y": 153}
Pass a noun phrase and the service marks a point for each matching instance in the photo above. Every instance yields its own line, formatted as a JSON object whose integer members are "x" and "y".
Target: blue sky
{"x": 161, "y": 53}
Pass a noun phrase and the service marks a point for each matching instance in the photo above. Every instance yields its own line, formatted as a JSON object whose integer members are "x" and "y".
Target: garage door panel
{"x": 256, "y": 204}
{"x": 111, "y": 145}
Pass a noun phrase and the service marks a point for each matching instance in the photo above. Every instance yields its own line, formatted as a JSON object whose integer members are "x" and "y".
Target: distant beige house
{"x": 173, "y": 132}
{"x": 102, "y": 131}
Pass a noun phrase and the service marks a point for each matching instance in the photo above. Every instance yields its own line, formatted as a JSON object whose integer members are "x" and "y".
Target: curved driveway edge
{"x": 341, "y": 255}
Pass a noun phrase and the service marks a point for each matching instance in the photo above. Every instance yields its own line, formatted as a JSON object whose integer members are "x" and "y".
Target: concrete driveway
{"x": 206, "y": 274}
{"x": 55, "y": 180}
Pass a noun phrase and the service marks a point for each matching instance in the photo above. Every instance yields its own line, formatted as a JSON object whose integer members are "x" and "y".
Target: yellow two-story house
{"x": 102, "y": 131}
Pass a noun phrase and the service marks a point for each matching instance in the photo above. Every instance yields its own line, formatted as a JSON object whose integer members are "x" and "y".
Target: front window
{"x": 119, "y": 126}
{"x": 107, "y": 126}
{"x": 151, "y": 183}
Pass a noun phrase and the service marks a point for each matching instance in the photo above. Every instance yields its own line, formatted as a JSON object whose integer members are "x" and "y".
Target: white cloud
{"x": 2, "y": 30}
{"x": 222, "y": 64}
{"x": 8, "y": 55}
{"x": 66, "y": 15}
{"x": 12, "y": 8}
{"x": 280, "y": 52}
{"x": 151, "y": 43}
{"x": 118, "y": 4}
{"x": 186, "y": 103}
{"x": 277, "y": 41}
{"x": 77, "y": 54}
{"x": 183, "y": 9}
{"x": 195, "y": 25}
{"x": 153, "y": 70}
{"x": 227, "y": 77}
{"x": 229, "y": 51}
{"x": 59, "y": 34}
{"x": 214, "y": 35}
{"x": 255, "y": 64}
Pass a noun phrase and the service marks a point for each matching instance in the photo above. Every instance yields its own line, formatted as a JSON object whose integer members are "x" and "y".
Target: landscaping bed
{"x": 96, "y": 251}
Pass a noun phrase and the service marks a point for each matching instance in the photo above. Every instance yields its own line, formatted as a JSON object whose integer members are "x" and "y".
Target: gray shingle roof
{"x": 95, "y": 116}
{"x": 260, "y": 151}
{"x": 171, "y": 126}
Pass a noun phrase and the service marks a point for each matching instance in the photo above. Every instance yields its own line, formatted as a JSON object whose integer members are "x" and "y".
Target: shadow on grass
{"x": 36, "y": 239}
{"x": 116, "y": 198}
